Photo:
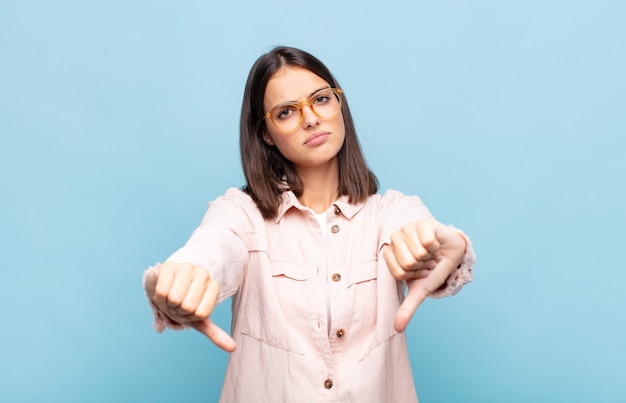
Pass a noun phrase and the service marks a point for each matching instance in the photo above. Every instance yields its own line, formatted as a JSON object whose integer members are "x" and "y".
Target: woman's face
{"x": 316, "y": 141}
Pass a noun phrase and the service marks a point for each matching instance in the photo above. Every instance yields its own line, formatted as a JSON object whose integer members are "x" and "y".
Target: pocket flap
{"x": 361, "y": 272}
{"x": 295, "y": 271}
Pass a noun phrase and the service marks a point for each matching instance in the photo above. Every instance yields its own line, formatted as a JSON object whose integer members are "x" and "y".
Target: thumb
{"x": 415, "y": 296}
{"x": 218, "y": 336}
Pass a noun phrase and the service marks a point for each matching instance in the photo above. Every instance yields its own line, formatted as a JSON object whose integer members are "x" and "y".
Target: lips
{"x": 316, "y": 138}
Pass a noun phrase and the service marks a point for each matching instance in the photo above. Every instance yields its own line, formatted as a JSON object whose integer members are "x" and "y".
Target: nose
{"x": 309, "y": 118}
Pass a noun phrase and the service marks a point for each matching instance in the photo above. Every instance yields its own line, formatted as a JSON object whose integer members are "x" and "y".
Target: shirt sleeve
{"x": 217, "y": 245}
{"x": 462, "y": 275}
{"x": 397, "y": 210}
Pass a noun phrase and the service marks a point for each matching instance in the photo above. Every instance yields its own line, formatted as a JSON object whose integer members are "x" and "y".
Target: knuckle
{"x": 406, "y": 263}
{"x": 428, "y": 240}
{"x": 201, "y": 274}
{"x": 160, "y": 291}
{"x": 202, "y": 313}
{"x": 187, "y": 307}
{"x": 168, "y": 268}
{"x": 398, "y": 275}
{"x": 409, "y": 228}
{"x": 396, "y": 237}
{"x": 174, "y": 300}
{"x": 395, "y": 272}
{"x": 187, "y": 267}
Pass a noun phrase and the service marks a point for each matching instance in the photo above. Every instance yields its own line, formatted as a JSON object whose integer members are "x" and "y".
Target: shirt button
{"x": 340, "y": 333}
{"x": 336, "y": 277}
{"x": 328, "y": 383}
{"x": 334, "y": 229}
{"x": 337, "y": 211}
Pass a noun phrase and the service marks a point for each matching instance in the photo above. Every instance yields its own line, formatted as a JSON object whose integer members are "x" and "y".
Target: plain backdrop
{"x": 119, "y": 122}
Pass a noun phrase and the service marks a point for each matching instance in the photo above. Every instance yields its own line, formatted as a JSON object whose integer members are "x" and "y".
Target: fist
{"x": 187, "y": 295}
{"x": 424, "y": 254}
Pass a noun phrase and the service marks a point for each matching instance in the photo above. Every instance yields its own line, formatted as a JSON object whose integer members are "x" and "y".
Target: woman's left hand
{"x": 424, "y": 254}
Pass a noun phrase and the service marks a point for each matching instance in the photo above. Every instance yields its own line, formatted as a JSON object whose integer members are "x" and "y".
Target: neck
{"x": 320, "y": 187}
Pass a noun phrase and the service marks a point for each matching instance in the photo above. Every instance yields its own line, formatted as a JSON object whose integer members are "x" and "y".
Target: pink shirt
{"x": 312, "y": 315}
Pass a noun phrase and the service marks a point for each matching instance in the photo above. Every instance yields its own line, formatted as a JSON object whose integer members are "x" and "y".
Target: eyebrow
{"x": 318, "y": 90}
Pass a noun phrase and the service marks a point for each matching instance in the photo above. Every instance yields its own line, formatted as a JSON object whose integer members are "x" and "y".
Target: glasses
{"x": 325, "y": 103}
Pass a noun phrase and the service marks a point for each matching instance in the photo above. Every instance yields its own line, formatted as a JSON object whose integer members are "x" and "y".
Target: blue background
{"x": 119, "y": 122}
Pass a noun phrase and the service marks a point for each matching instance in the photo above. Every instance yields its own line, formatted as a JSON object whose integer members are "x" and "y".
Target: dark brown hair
{"x": 268, "y": 173}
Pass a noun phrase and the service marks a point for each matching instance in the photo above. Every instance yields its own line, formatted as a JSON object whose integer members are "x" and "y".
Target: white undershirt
{"x": 323, "y": 221}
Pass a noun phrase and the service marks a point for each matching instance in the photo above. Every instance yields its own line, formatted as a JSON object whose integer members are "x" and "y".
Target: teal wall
{"x": 118, "y": 123}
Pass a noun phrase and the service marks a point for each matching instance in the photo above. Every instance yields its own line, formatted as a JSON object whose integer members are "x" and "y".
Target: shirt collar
{"x": 289, "y": 200}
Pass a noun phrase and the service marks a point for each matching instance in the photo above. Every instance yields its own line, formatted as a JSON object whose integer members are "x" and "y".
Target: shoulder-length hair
{"x": 268, "y": 173}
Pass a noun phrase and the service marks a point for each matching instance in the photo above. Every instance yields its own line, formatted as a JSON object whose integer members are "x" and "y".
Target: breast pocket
{"x": 361, "y": 298}
{"x": 375, "y": 301}
{"x": 277, "y": 304}
{"x": 291, "y": 284}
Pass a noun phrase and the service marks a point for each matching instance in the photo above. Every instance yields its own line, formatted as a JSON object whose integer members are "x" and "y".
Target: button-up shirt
{"x": 313, "y": 308}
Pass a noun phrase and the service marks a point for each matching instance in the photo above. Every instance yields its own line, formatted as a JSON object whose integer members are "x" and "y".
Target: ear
{"x": 268, "y": 139}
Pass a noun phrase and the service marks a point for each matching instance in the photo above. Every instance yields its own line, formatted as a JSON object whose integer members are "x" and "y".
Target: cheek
{"x": 279, "y": 141}
{"x": 272, "y": 136}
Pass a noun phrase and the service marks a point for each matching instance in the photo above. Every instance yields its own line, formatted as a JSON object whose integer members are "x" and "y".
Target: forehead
{"x": 291, "y": 84}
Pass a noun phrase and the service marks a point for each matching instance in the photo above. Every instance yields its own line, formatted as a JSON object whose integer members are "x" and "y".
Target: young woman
{"x": 316, "y": 262}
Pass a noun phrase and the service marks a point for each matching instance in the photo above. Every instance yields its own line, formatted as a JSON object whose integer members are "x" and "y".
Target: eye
{"x": 321, "y": 98}
{"x": 285, "y": 112}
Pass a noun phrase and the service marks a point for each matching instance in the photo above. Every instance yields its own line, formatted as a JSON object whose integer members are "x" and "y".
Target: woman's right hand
{"x": 187, "y": 295}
